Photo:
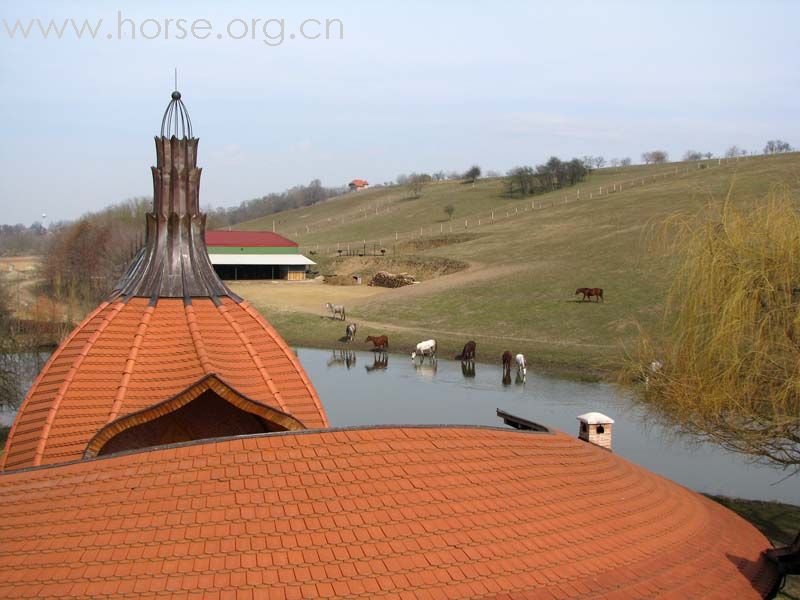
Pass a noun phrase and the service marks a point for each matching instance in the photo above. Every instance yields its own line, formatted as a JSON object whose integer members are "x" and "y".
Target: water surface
{"x": 355, "y": 393}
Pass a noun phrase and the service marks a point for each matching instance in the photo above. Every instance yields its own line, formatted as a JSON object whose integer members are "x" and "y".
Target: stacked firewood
{"x": 392, "y": 280}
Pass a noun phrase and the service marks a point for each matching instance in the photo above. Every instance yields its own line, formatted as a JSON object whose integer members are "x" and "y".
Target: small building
{"x": 596, "y": 429}
{"x": 358, "y": 184}
{"x": 255, "y": 255}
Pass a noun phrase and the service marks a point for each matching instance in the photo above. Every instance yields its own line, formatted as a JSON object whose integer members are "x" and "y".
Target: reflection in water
{"x": 468, "y": 368}
{"x": 17, "y": 372}
{"x": 427, "y": 365}
{"x": 380, "y": 362}
{"x": 520, "y": 380}
{"x": 506, "y": 377}
{"x": 343, "y": 357}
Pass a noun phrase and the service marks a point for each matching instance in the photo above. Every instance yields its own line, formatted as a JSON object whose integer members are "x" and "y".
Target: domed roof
{"x": 411, "y": 512}
{"x": 169, "y": 323}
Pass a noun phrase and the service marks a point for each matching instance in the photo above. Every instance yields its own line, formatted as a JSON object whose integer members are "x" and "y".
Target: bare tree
{"x": 416, "y": 182}
{"x": 625, "y": 162}
{"x": 777, "y": 147}
{"x": 449, "y": 210}
{"x": 614, "y": 162}
{"x": 472, "y": 173}
{"x": 655, "y": 157}
{"x": 732, "y": 152}
{"x": 693, "y": 155}
{"x": 599, "y": 162}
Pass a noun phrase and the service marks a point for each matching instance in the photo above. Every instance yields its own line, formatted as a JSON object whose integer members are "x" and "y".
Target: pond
{"x": 358, "y": 390}
{"x": 361, "y": 392}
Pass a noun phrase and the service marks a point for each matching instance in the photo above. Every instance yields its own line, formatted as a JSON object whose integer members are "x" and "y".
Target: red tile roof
{"x": 371, "y": 513}
{"x": 129, "y": 356}
{"x": 358, "y": 183}
{"x": 247, "y": 238}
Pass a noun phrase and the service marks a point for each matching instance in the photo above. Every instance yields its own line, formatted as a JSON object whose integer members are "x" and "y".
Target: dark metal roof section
{"x": 174, "y": 261}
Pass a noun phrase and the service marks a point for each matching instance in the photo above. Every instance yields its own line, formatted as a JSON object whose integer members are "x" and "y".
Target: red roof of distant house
{"x": 359, "y": 183}
{"x": 247, "y": 238}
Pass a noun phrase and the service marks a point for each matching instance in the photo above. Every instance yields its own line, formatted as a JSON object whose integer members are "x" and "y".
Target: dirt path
{"x": 311, "y": 296}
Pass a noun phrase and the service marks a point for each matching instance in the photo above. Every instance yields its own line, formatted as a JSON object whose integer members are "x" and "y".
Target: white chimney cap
{"x": 595, "y": 418}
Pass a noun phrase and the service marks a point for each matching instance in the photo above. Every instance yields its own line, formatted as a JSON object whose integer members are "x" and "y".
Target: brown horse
{"x": 379, "y": 342}
{"x": 468, "y": 353}
{"x": 508, "y": 359}
{"x": 589, "y": 292}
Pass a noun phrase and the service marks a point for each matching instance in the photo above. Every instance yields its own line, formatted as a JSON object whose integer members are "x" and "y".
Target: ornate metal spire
{"x": 174, "y": 262}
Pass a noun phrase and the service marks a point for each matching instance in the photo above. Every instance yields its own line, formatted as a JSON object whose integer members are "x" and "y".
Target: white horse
{"x": 350, "y": 331}
{"x": 336, "y": 309}
{"x": 521, "y": 366}
{"x": 426, "y": 348}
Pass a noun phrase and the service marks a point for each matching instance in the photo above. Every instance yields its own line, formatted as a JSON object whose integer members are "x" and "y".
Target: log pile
{"x": 392, "y": 280}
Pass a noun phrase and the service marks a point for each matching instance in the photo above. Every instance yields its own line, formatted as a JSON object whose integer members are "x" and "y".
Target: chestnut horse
{"x": 468, "y": 353}
{"x": 379, "y": 342}
{"x": 589, "y": 292}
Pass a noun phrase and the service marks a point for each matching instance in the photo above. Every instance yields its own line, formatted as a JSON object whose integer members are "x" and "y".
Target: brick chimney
{"x": 596, "y": 429}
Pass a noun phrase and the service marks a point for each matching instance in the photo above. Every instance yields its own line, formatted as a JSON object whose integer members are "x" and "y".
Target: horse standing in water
{"x": 589, "y": 292}
{"x": 507, "y": 360}
{"x": 468, "y": 353}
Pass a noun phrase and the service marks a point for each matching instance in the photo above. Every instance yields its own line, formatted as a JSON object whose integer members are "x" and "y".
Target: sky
{"x": 394, "y": 87}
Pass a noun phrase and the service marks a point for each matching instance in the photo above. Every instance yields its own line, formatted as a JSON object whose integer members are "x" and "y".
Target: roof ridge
{"x": 270, "y": 331}
{"x": 68, "y": 378}
{"x": 253, "y": 356}
{"x": 197, "y": 339}
{"x": 130, "y": 363}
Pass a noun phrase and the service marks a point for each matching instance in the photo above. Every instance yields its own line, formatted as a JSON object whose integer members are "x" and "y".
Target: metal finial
{"x": 176, "y": 121}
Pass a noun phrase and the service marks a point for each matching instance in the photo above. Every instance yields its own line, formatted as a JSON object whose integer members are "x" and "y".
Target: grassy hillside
{"x": 519, "y": 290}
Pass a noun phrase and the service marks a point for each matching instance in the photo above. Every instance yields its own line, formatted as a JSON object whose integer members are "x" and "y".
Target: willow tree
{"x": 726, "y": 367}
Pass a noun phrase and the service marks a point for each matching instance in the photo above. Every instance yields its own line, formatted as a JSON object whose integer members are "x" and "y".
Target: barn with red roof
{"x": 174, "y": 447}
{"x": 256, "y": 255}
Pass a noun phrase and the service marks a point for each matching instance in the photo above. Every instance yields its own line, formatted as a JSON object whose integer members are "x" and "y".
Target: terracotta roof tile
{"x": 522, "y": 517}
{"x": 126, "y": 357}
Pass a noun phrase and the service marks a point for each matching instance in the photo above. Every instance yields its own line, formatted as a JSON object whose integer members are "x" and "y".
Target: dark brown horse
{"x": 589, "y": 292}
{"x": 508, "y": 360}
{"x": 379, "y": 342}
{"x": 468, "y": 353}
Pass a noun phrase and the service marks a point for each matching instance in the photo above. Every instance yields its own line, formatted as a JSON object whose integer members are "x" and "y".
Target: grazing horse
{"x": 522, "y": 368}
{"x": 336, "y": 309}
{"x": 589, "y": 292}
{"x": 426, "y": 348}
{"x": 507, "y": 358}
{"x": 379, "y": 342}
{"x": 468, "y": 353}
{"x": 350, "y": 331}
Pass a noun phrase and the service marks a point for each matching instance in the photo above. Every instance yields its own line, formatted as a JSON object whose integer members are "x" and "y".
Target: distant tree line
{"x": 552, "y": 175}
{"x": 83, "y": 259}
{"x": 777, "y": 147}
{"x": 295, "y": 197}
{"x": 18, "y": 240}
